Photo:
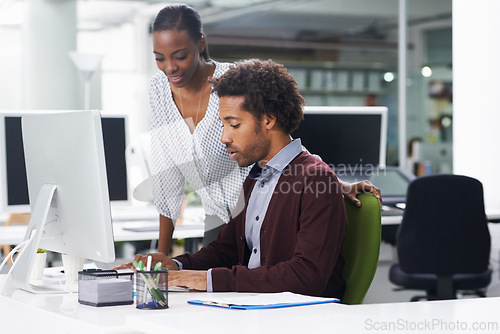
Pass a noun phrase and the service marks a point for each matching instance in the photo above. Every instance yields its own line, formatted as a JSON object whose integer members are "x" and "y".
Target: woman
{"x": 186, "y": 130}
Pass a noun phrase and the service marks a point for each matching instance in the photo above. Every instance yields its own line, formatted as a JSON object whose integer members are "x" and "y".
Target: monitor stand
{"x": 43, "y": 213}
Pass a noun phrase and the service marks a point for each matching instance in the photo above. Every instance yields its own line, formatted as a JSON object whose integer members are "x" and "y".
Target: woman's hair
{"x": 267, "y": 88}
{"x": 181, "y": 17}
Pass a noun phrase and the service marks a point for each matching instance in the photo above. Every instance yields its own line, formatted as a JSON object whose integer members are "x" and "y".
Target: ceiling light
{"x": 426, "y": 71}
{"x": 388, "y": 76}
{"x": 446, "y": 122}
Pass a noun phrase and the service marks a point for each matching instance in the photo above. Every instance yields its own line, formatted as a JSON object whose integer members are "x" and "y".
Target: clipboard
{"x": 263, "y": 301}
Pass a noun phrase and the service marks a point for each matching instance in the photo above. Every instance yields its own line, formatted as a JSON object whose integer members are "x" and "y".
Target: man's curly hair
{"x": 268, "y": 89}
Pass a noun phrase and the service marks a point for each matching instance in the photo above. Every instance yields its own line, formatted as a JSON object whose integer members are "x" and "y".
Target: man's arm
{"x": 193, "y": 279}
{"x": 301, "y": 259}
{"x": 309, "y": 262}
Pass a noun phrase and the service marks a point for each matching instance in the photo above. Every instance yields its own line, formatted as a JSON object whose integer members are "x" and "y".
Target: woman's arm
{"x": 166, "y": 232}
{"x": 350, "y": 190}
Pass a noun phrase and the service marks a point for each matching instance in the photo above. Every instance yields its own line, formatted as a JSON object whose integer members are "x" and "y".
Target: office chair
{"x": 361, "y": 247}
{"x": 443, "y": 242}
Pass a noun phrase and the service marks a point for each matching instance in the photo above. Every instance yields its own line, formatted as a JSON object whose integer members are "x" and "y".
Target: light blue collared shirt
{"x": 266, "y": 180}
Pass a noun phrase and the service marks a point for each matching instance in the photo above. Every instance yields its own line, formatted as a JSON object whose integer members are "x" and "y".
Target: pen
{"x": 148, "y": 268}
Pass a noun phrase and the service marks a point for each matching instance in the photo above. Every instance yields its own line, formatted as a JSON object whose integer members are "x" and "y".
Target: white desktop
{"x": 67, "y": 182}
{"x": 63, "y": 314}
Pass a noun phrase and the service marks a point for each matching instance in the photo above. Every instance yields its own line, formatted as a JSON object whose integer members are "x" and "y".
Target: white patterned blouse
{"x": 198, "y": 158}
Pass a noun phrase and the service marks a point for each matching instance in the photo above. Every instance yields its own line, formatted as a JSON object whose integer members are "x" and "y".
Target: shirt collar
{"x": 278, "y": 162}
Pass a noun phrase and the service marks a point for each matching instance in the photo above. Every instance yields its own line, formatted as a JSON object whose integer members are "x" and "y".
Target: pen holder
{"x": 151, "y": 289}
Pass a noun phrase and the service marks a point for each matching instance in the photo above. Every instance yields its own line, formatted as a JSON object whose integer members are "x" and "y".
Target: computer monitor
{"x": 352, "y": 140}
{"x": 13, "y": 186}
{"x": 346, "y": 138}
{"x": 68, "y": 190}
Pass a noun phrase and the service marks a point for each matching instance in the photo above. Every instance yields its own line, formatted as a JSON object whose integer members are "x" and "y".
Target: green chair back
{"x": 361, "y": 247}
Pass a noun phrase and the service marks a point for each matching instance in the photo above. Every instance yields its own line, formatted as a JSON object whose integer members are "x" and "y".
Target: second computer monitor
{"x": 13, "y": 186}
{"x": 346, "y": 138}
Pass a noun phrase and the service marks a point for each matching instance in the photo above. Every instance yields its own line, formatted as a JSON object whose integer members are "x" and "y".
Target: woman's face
{"x": 177, "y": 55}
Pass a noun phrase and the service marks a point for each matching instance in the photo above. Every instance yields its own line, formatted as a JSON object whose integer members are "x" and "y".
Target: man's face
{"x": 244, "y": 136}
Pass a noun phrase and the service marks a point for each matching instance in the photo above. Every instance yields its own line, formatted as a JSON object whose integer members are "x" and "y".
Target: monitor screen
{"x": 17, "y": 186}
{"x": 114, "y": 133}
{"x": 345, "y": 137}
{"x": 15, "y": 193}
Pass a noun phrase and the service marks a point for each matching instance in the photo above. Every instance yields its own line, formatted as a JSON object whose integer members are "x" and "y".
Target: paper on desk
{"x": 263, "y": 300}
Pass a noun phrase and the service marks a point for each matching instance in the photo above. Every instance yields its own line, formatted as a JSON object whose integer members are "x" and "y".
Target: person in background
{"x": 186, "y": 129}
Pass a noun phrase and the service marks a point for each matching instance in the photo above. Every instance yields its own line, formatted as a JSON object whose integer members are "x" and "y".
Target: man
{"x": 286, "y": 233}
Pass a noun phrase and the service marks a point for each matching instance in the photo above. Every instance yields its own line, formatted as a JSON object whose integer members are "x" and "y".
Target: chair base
{"x": 435, "y": 295}
{"x": 432, "y": 295}
{"x": 441, "y": 287}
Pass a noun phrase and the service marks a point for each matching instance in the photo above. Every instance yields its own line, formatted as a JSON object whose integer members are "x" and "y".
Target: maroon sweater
{"x": 301, "y": 238}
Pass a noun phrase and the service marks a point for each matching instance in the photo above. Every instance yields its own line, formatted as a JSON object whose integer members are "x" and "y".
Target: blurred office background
{"x": 342, "y": 53}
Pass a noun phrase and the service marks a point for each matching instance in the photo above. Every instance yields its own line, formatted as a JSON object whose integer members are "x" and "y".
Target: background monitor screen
{"x": 17, "y": 186}
{"x": 114, "y": 128}
{"x": 114, "y": 136}
{"x": 345, "y": 137}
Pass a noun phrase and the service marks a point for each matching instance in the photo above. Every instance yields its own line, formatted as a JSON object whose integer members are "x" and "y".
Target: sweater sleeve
{"x": 316, "y": 245}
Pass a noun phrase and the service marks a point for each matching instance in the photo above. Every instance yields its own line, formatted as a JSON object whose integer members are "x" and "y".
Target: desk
{"x": 390, "y": 225}
{"x": 13, "y": 235}
{"x": 492, "y": 217}
{"x": 28, "y": 313}
{"x": 129, "y": 217}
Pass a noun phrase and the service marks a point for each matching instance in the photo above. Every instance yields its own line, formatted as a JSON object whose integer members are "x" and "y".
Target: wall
{"x": 49, "y": 79}
{"x": 10, "y": 56}
{"x": 476, "y": 87}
